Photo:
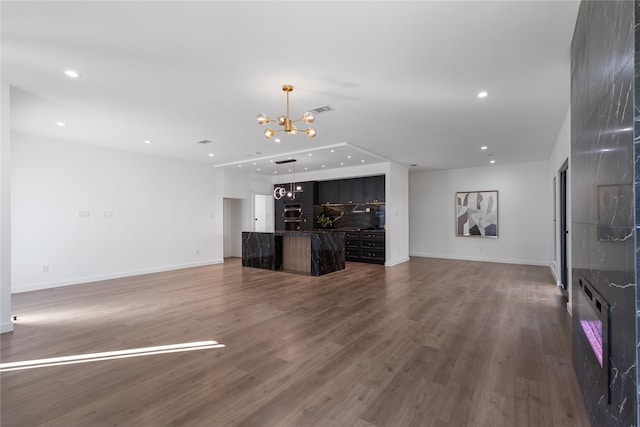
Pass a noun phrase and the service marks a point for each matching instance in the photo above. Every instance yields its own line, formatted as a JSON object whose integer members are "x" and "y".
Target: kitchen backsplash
{"x": 364, "y": 216}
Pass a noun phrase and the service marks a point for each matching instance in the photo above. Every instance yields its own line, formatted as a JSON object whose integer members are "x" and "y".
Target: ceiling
{"x": 402, "y": 78}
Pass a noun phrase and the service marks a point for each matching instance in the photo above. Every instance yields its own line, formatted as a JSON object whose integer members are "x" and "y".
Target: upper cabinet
{"x": 373, "y": 189}
{"x": 329, "y": 192}
{"x": 352, "y": 191}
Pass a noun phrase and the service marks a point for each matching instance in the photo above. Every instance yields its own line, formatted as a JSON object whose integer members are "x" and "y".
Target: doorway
{"x": 232, "y": 227}
{"x": 564, "y": 227}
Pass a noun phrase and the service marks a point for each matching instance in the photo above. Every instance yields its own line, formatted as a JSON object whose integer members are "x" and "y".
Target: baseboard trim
{"x": 480, "y": 259}
{"x": 400, "y": 261}
{"x": 6, "y": 327}
{"x": 97, "y": 278}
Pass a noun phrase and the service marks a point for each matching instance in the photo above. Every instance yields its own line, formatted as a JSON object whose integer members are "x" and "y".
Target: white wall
{"x": 397, "y": 215}
{"x": 146, "y": 213}
{"x": 524, "y": 213}
{"x": 5, "y": 213}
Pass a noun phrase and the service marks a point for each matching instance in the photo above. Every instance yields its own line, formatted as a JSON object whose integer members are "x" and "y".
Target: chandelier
{"x": 286, "y": 123}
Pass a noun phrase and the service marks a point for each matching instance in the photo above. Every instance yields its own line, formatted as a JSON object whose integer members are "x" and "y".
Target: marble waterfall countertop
{"x": 321, "y": 252}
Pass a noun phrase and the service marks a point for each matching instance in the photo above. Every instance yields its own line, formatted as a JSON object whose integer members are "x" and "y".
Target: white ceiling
{"x": 401, "y": 77}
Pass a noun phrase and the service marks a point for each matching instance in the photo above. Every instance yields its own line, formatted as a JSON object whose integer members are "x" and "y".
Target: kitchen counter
{"x": 315, "y": 252}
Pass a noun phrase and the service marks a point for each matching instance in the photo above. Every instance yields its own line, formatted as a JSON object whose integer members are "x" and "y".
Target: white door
{"x": 263, "y": 213}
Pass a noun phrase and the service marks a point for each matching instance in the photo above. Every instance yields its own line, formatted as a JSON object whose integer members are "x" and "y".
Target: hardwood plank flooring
{"x": 430, "y": 342}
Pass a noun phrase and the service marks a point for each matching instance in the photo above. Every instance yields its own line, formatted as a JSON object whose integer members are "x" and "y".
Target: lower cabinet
{"x": 365, "y": 246}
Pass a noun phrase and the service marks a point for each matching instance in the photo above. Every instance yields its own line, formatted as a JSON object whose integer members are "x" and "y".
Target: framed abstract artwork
{"x": 477, "y": 214}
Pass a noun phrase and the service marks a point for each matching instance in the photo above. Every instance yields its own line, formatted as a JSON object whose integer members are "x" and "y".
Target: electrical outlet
{"x": 45, "y": 268}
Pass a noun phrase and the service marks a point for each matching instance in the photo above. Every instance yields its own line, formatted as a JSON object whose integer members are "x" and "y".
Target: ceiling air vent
{"x": 204, "y": 141}
{"x": 321, "y": 109}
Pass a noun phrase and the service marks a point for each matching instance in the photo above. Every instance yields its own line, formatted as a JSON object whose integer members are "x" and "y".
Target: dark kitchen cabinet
{"x": 365, "y": 246}
{"x": 329, "y": 192}
{"x": 305, "y": 198}
{"x": 278, "y": 207}
{"x": 352, "y": 245}
{"x": 373, "y": 189}
{"x": 350, "y": 191}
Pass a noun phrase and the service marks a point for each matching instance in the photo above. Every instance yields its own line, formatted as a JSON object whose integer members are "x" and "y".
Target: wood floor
{"x": 430, "y": 342}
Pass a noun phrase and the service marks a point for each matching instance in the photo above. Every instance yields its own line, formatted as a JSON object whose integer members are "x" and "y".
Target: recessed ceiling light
{"x": 310, "y": 154}
{"x": 277, "y": 140}
{"x": 211, "y": 155}
{"x": 484, "y": 147}
{"x": 258, "y": 169}
{"x": 254, "y": 163}
{"x": 348, "y": 157}
{"x": 275, "y": 171}
{"x": 322, "y": 165}
{"x": 72, "y": 73}
{"x": 61, "y": 124}
{"x": 492, "y": 161}
{"x": 271, "y": 161}
{"x": 146, "y": 141}
{"x": 289, "y": 158}
{"x": 362, "y": 161}
{"x": 289, "y": 170}
{"x": 306, "y": 168}
{"x": 239, "y": 166}
{"x": 483, "y": 94}
{"x": 341, "y": 164}
{"x": 333, "y": 151}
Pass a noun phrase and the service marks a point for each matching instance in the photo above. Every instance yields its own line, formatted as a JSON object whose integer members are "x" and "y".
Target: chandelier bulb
{"x": 311, "y": 132}
{"x": 268, "y": 132}
{"x": 293, "y": 130}
{"x": 282, "y": 120}
{"x": 262, "y": 119}
{"x": 308, "y": 117}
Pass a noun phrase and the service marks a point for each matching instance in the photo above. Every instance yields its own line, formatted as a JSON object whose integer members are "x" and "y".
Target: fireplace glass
{"x": 593, "y": 316}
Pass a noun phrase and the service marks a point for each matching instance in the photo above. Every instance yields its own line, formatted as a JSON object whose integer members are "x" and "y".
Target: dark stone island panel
{"x": 327, "y": 252}
{"x": 265, "y": 250}
{"x": 261, "y": 250}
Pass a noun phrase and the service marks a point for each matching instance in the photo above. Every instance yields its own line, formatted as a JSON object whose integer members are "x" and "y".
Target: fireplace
{"x": 593, "y": 318}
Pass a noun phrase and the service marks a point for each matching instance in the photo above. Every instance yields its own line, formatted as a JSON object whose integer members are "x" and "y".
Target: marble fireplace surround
{"x": 604, "y": 212}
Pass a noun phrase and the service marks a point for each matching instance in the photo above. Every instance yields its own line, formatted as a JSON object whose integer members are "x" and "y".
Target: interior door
{"x": 263, "y": 213}
{"x": 564, "y": 227}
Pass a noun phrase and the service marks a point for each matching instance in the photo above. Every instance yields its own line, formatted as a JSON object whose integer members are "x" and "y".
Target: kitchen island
{"x": 315, "y": 252}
